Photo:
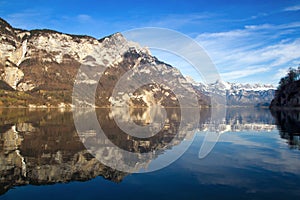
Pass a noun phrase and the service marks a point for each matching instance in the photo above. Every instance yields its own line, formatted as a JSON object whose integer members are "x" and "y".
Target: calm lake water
{"x": 42, "y": 155}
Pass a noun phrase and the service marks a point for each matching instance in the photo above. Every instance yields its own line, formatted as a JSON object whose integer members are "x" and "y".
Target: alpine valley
{"x": 38, "y": 69}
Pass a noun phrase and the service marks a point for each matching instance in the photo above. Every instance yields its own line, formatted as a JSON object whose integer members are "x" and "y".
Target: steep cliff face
{"x": 287, "y": 97}
{"x": 43, "y": 64}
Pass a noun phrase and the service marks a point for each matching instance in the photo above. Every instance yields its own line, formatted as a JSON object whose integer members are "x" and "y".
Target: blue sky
{"x": 248, "y": 41}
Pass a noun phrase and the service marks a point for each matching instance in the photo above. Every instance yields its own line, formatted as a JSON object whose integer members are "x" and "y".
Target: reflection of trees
{"x": 288, "y": 123}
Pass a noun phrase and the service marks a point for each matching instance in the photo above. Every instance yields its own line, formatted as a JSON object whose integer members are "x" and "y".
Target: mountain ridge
{"x": 38, "y": 69}
{"x": 238, "y": 94}
{"x": 41, "y": 66}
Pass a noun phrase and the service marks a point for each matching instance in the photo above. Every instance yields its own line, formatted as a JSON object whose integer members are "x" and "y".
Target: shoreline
{"x": 283, "y": 108}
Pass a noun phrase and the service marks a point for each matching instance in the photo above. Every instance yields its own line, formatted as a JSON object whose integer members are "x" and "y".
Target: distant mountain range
{"x": 238, "y": 94}
{"x": 38, "y": 69}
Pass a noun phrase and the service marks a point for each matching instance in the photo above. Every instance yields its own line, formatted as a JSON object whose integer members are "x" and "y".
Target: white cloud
{"x": 26, "y": 19}
{"x": 243, "y": 73}
{"x": 292, "y": 8}
{"x": 83, "y": 18}
{"x": 175, "y": 21}
{"x": 255, "y": 49}
{"x": 280, "y": 73}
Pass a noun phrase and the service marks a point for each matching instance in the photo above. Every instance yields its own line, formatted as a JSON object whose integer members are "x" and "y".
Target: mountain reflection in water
{"x": 42, "y": 147}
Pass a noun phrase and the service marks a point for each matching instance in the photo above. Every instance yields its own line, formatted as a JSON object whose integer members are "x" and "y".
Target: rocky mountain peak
{"x": 44, "y": 64}
{"x": 122, "y": 44}
{"x": 5, "y": 26}
{"x": 114, "y": 37}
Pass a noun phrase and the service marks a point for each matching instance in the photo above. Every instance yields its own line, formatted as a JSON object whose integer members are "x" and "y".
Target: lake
{"x": 237, "y": 153}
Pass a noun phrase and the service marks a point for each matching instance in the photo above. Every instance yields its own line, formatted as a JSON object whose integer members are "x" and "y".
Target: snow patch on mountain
{"x": 237, "y": 94}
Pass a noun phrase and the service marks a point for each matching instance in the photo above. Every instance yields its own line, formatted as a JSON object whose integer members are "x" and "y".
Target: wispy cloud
{"x": 254, "y": 49}
{"x": 83, "y": 18}
{"x": 27, "y": 19}
{"x": 176, "y": 21}
{"x": 237, "y": 74}
{"x": 292, "y": 8}
{"x": 280, "y": 73}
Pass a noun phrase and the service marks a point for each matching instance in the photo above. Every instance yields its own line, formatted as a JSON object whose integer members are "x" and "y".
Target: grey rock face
{"x": 41, "y": 61}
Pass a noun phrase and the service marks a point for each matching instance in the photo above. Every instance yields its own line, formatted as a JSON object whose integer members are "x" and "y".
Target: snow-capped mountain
{"x": 238, "y": 94}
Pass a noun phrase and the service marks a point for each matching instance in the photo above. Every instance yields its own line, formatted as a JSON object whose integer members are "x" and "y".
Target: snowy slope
{"x": 238, "y": 94}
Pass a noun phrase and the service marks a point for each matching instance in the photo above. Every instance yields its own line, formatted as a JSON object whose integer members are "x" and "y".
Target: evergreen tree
{"x": 292, "y": 76}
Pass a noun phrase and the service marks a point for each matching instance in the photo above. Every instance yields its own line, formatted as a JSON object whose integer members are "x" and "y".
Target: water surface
{"x": 257, "y": 157}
